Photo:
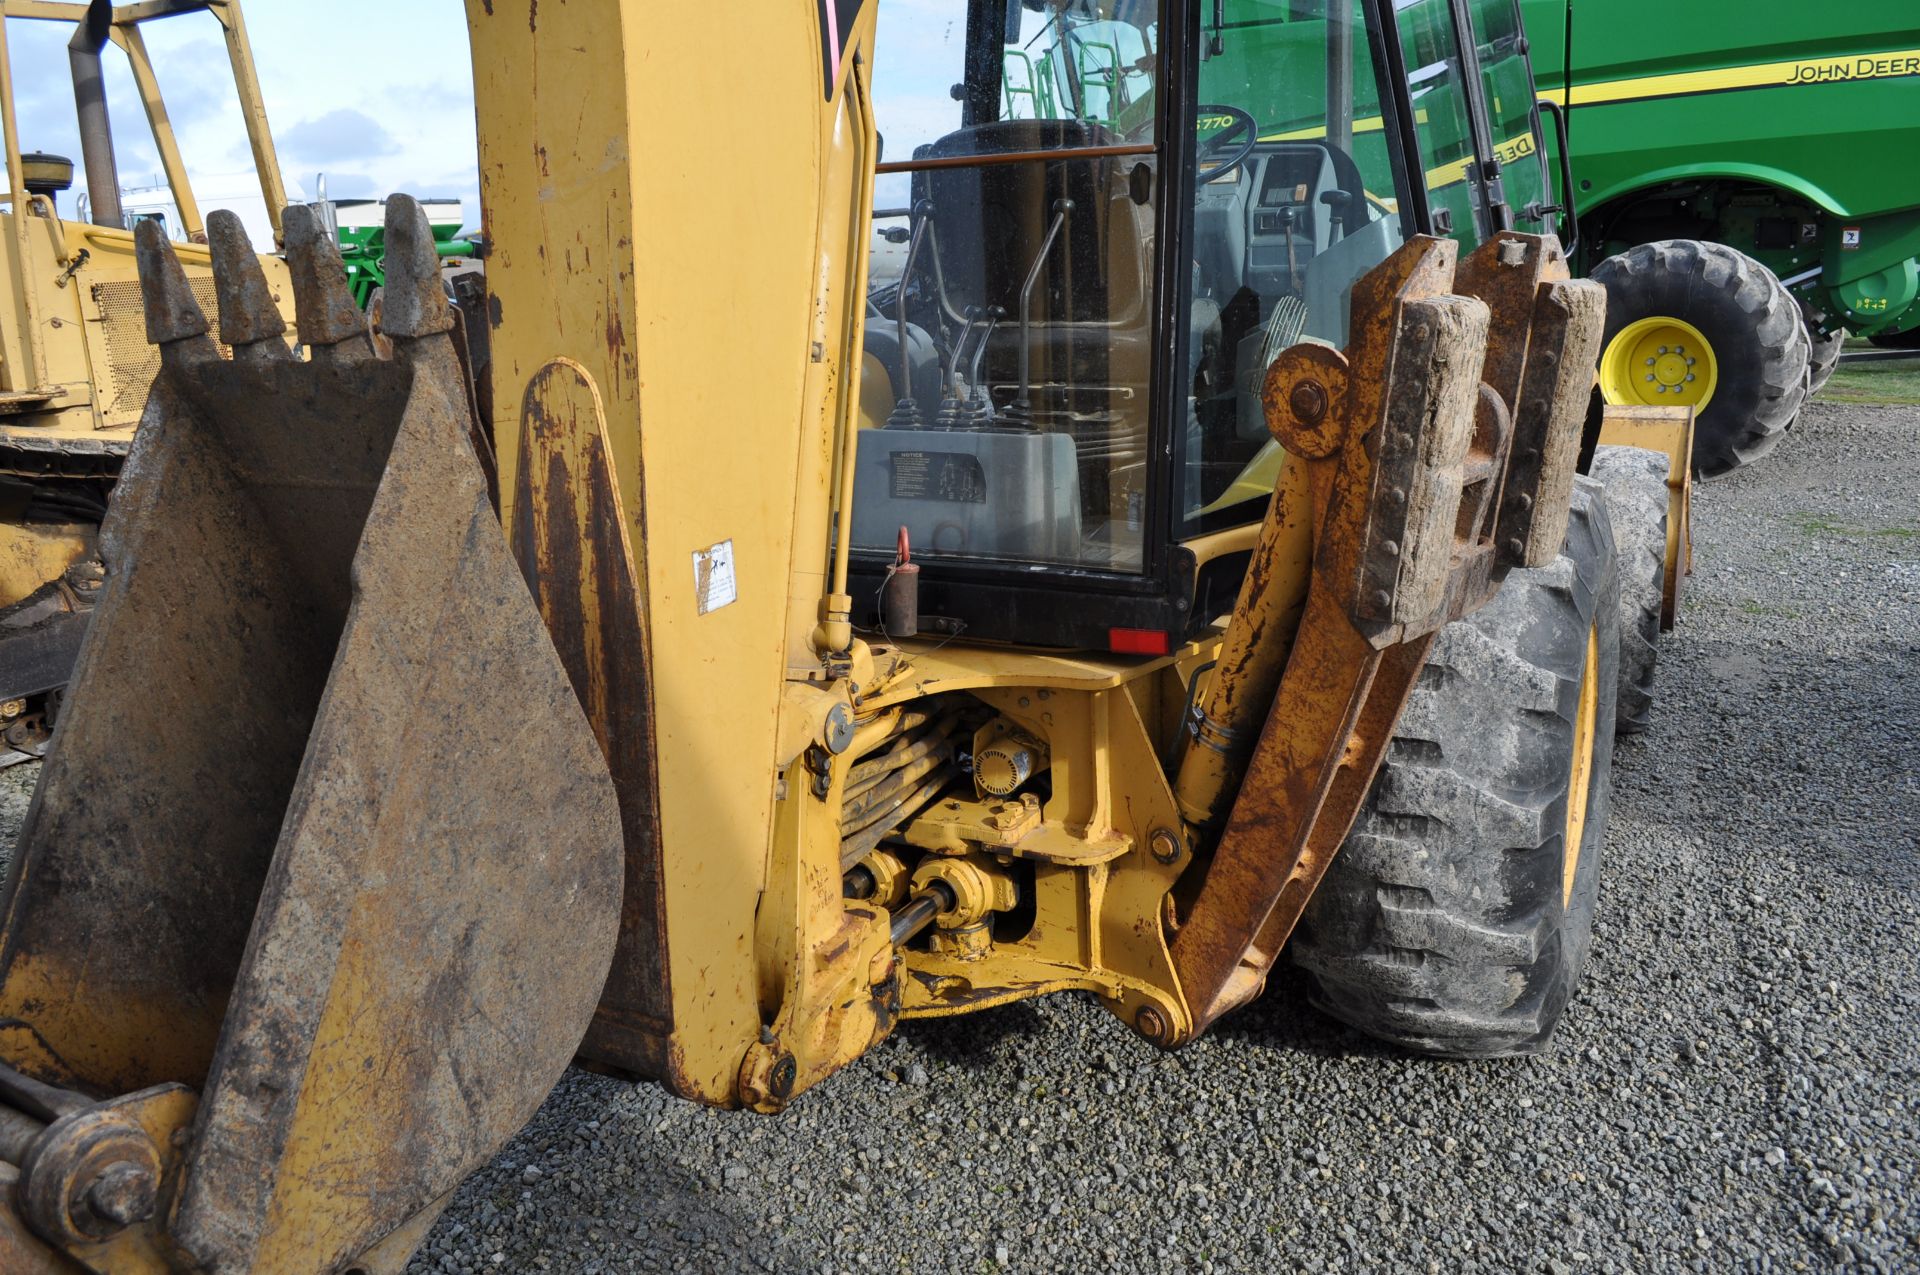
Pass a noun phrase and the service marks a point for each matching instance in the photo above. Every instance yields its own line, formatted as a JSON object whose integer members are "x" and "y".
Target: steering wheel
{"x": 1236, "y": 140}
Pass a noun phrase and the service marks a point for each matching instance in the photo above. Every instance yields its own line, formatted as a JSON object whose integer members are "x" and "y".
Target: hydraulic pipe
{"x": 910, "y": 748}
{"x": 918, "y": 912}
{"x": 882, "y": 798}
{"x": 17, "y": 1134}
{"x": 90, "y": 35}
{"x": 39, "y": 1100}
{"x": 855, "y": 846}
{"x": 1226, "y": 720}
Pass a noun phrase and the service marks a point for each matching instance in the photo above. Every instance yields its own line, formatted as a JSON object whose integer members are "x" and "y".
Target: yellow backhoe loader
{"x": 796, "y": 651}
{"x": 75, "y": 363}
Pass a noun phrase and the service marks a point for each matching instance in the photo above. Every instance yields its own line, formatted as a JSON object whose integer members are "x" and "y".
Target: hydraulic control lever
{"x": 970, "y": 407}
{"x": 1022, "y": 409}
{"x": 906, "y": 412}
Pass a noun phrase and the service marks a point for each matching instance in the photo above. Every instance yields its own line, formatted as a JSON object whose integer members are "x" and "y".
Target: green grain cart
{"x": 1710, "y": 135}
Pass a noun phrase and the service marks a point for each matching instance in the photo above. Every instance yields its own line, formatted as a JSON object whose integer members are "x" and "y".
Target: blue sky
{"x": 378, "y": 96}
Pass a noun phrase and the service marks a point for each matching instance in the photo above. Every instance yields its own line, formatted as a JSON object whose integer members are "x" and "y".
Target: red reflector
{"x": 1137, "y": 641}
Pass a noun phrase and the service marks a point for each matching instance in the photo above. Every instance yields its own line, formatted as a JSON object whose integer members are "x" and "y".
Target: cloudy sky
{"x": 378, "y": 96}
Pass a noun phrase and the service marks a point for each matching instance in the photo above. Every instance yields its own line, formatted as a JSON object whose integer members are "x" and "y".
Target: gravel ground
{"x": 1733, "y": 1089}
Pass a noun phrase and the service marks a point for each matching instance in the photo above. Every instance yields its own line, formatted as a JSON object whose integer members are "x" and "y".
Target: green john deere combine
{"x": 1746, "y": 191}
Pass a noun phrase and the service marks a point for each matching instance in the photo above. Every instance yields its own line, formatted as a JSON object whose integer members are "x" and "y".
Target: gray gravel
{"x": 1734, "y": 1088}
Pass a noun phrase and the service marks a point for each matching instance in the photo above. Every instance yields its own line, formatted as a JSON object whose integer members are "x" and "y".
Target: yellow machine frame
{"x": 624, "y": 396}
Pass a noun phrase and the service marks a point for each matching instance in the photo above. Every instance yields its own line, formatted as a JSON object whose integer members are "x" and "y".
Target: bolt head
{"x": 1309, "y": 402}
{"x": 780, "y": 1079}
{"x": 1164, "y": 846}
{"x": 123, "y": 1194}
{"x": 1152, "y": 1024}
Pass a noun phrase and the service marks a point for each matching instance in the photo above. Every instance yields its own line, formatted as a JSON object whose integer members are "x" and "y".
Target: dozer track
{"x": 321, "y": 884}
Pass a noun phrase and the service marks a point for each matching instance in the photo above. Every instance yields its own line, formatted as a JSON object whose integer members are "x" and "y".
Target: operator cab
{"x": 1089, "y": 243}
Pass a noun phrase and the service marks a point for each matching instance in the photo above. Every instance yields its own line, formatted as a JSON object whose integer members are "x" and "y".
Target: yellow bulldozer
{"x": 889, "y": 584}
{"x": 75, "y": 364}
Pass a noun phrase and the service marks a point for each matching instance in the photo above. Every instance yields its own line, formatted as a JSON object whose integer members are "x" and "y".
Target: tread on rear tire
{"x": 1635, "y": 480}
{"x": 1447, "y": 924}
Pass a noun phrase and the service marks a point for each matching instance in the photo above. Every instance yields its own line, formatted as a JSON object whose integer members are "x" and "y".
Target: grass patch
{"x": 1752, "y": 607}
{"x": 1890, "y": 382}
{"x": 1821, "y": 525}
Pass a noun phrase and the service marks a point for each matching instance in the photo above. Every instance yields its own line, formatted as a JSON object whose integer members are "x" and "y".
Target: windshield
{"x": 1297, "y": 197}
{"x": 1006, "y": 379}
{"x": 1007, "y": 391}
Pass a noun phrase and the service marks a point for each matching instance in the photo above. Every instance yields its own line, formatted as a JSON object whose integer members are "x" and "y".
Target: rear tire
{"x": 1757, "y": 336}
{"x": 1454, "y": 921}
{"x": 1636, "y": 485}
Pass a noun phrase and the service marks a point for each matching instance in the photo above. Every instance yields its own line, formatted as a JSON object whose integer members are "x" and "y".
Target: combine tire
{"x": 1456, "y": 918}
{"x": 1636, "y": 485}
{"x": 1823, "y": 356}
{"x": 1698, "y": 324}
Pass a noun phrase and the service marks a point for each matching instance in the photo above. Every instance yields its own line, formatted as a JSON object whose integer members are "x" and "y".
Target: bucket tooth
{"x": 415, "y": 302}
{"x": 330, "y": 324}
{"x": 175, "y": 321}
{"x": 250, "y": 322}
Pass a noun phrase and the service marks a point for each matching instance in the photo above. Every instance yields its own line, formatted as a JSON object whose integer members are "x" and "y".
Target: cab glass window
{"x": 1442, "y": 125}
{"x": 1512, "y": 111}
{"x": 1006, "y": 378}
{"x": 1296, "y": 196}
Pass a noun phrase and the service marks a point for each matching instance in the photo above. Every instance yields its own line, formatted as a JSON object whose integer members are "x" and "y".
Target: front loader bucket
{"x": 324, "y": 835}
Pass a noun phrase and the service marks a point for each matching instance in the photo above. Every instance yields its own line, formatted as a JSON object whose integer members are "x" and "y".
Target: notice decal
{"x": 714, "y": 585}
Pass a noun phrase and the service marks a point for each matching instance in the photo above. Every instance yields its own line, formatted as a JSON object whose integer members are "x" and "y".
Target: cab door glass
{"x": 1006, "y": 378}
{"x": 1512, "y": 112}
{"x": 1442, "y": 123}
{"x": 1296, "y": 196}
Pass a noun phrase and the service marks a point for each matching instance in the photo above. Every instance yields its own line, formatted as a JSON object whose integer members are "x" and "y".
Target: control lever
{"x": 1288, "y": 216}
{"x": 971, "y": 407}
{"x": 1022, "y": 409}
{"x": 953, "y": 401}
{"x": 1338, "y": 202}
{"x": 978, "y": 387}
{"x": 906, "y": 412}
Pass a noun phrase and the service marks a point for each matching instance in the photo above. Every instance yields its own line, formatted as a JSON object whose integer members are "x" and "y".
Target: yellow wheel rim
{"x": 1661, "y": 362}
{"x": 1582, "y": 774}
